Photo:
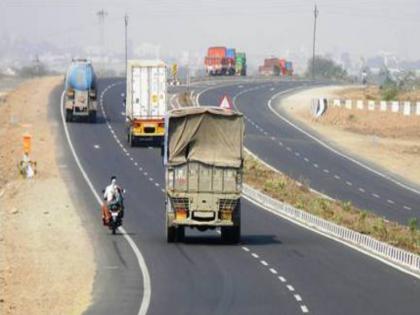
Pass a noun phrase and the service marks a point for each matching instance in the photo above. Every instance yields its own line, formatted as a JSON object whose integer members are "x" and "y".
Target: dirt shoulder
{"x": 46, "y": 262}
{"x": 389, "y": 140}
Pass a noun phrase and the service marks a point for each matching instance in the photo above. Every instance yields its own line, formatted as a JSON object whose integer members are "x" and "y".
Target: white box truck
{"x": 146, "y": 101}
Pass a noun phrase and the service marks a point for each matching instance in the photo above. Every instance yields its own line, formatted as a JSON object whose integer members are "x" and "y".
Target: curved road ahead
{"x": 278, "y": 269}
{"x": 289, "y": 150}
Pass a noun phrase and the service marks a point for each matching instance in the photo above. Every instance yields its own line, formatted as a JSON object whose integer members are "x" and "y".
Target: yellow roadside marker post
{"x": 27, "y": 168}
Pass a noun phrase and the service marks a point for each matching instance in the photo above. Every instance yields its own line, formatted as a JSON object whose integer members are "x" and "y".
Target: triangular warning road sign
{"x": 226, "y": 102}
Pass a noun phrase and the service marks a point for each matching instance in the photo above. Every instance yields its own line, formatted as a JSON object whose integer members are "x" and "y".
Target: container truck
{"x": 289, "y": 68}
{"x": 240, "y": 64}
{"x": 282, "y": 63}
{"x": 270, "y": 67}
{"x": 146, "y": 103}
{"x": 203, "y": 171}
{"x": 80, "y": 91}
{"x": 231, "y": 61}
{"x": 216, "y": 62}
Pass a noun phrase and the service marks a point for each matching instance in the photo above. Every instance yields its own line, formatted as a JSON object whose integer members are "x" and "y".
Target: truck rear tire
{"x": 92, "y": 116}
{"x": 170, "y": 234}
{"x": 180, "y": 233}
{"x": 130, "y": 138}
{"x": 231, "y": 234}
{"x": 69, "y": 115}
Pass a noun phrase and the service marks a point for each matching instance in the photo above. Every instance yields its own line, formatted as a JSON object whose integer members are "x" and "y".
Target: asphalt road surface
{"x": 279, "y": 268}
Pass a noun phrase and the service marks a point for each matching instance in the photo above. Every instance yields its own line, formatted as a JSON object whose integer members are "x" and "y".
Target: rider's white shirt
{"x": 110, "y": 193}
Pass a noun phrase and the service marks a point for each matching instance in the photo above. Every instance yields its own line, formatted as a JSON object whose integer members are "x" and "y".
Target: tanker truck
{"x": 80, "y": 91}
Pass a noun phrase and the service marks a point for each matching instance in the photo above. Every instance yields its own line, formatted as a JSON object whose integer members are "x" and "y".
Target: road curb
{"x": 397, "y": 258}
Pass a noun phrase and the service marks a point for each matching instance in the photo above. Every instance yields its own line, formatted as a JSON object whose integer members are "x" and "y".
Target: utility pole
{"x": 188, "y": 78}
{"x": 126, "y": 43}
{"x": 313, "y": 47}
{"x": 101, "y": 16}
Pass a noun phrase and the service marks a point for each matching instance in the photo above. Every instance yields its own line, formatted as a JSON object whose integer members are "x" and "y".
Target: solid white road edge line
{"x": 325, "y": 145}
{"x": 147, "y": 290}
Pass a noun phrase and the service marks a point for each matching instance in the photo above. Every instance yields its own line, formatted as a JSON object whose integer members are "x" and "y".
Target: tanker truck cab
{"x": 203, "y": 158}
{"x": 80, "y": 91}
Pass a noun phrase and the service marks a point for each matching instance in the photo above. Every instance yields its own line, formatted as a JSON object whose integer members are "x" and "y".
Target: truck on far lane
{"x": 80, "y": 91}
{"x": 146, "y": 101}
{"x": 240, "y": 66}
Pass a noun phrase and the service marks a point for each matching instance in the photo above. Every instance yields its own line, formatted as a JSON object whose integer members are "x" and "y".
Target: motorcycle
{"x": 115, "y": 212}
{"x": 116, "y": 217}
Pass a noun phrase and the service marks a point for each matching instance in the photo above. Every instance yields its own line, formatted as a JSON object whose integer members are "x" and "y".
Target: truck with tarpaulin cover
{"x": 203, "y": 158}
{"x": 146, "y": 101}
{"x": 80, "y": 91}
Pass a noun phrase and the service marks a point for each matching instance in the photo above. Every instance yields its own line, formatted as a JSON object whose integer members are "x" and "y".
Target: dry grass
{"x": 285, "y": 189}
{"x": 381, "y": 124}
{"x": 373, "y": 92}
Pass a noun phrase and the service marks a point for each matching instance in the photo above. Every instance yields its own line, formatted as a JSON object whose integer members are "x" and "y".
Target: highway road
{"x": 298, "y": 155}
{"x": 279, "y": 268}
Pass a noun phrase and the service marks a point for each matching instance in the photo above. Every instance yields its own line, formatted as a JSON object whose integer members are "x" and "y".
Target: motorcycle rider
{"x": 112, "y": 195}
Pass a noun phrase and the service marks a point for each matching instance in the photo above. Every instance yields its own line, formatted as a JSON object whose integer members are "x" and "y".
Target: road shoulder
{"x": 47, "y": 262}
{"x": 393, "y": 156}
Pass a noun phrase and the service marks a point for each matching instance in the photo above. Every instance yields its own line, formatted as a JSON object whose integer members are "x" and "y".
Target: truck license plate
{"x": 204, "y": 214}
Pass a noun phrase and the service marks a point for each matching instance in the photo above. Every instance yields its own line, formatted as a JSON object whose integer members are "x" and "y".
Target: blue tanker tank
{"x": 81, "y": 76}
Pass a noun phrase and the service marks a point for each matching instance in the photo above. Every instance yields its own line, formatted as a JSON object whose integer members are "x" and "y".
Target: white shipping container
{"x": 146, "y": 89}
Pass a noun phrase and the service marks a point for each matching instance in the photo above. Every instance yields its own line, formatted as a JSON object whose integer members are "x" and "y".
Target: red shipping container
{"x": 271, "y": 62}
{"x": 216, "y": 52}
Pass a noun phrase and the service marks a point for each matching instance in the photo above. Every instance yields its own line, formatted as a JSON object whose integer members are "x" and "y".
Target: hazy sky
{"x": 255, "y": 26}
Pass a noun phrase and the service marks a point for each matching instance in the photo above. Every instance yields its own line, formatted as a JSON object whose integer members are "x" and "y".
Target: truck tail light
{"x": 226, "y": 215}
{"x": 70, "y": 93}
{"x": 161, "y": 125}
{"x": 181, "y": 214}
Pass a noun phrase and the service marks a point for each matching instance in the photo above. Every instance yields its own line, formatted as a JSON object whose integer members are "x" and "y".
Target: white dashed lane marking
{"x": 390, "y": 201}
{"x": 362, "y": 190}
{"x": 407, "y": 208}
{"x": 96, "y": 146}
